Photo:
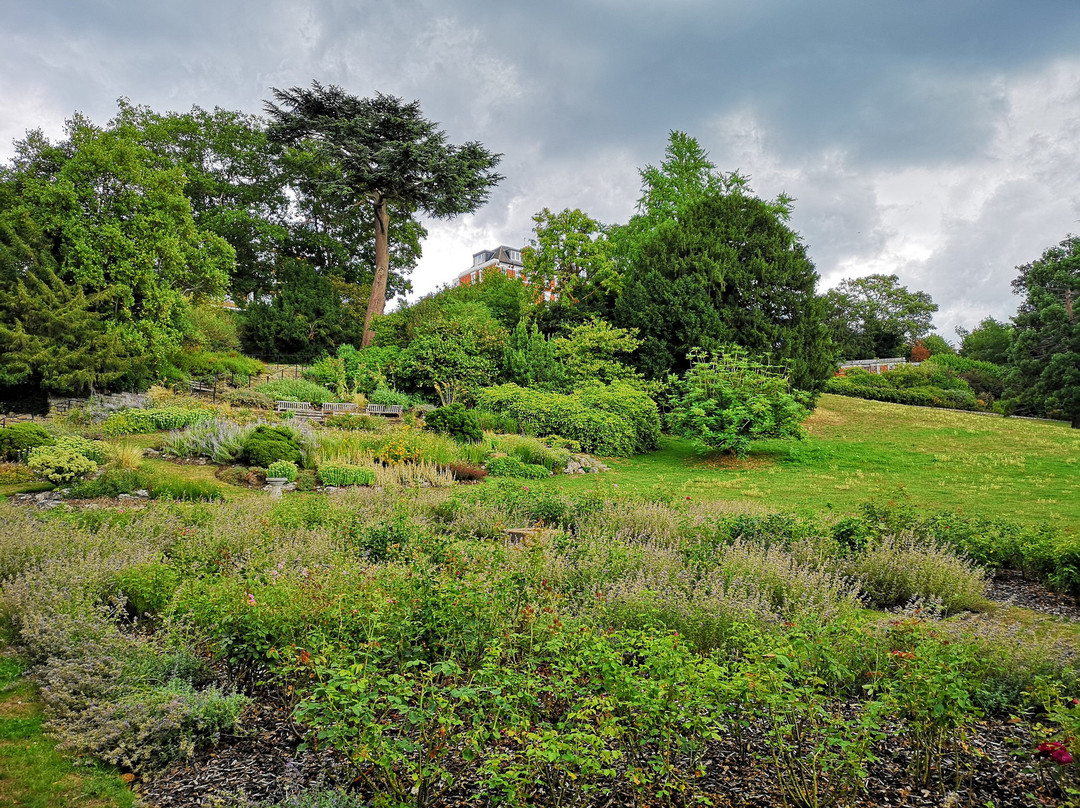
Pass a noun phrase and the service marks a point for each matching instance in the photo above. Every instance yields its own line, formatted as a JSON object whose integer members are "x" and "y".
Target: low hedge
{"x": 916, "y": 396}
{"x": 18, "y": 439}
{"x": 614, "y": 420}
{"x": 158, "y": 419}
{"x": 345, "y": 474}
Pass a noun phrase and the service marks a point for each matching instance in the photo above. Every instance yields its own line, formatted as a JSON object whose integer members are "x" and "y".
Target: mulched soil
{"x": 266, "y": 766}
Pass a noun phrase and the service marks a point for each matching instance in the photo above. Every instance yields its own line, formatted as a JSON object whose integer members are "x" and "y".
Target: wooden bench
{"x": 389, "y": 410}
{"x": 301, "y": 409}
{"x": 336, "y": 407}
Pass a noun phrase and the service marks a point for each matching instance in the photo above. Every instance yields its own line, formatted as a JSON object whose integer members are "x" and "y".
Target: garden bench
{"x": 390, "y": 410}
{"x": 301, "y": 409}
{"x": 335, "y": 407}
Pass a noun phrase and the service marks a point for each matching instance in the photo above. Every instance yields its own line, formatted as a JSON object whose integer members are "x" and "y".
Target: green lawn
{"x": 856, "y": 450}
{"x": 32, "y": 773}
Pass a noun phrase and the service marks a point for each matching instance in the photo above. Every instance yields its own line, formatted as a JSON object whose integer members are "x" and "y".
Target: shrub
{"x": 895, "y": 571}
{"x": 384, "y": 395}
{"x": 457, "y": 422}
{"x": 533, "y": 451}
{"x": 143, "y": 421}
{"x": 248, "y": 398}
{"x": 616, "y": 420}
{"x": 511, "y": 466}
{"x": 282, "y": 468}
{"x": 725, "y": 401}
{"x": 339, "y": 474}
{"x": 59, "y": 465}
{"x": 205, "y": 364}
{"x": 185, "y": 490}
{"x": 269, "y": 444}
{"x": 148, "y": 728}
{"x": 95, "y": 450}
{"x": 497, "y": 422}
{"x": 221, "y": 440}
{"x": 296, "y": 390}
{"x": 18, "y": 439}
{"x": 111, "y": 483}
{"x": 146, "y": 588}
{"x": 467, "y": 472}
{"x": 355, "y": 422}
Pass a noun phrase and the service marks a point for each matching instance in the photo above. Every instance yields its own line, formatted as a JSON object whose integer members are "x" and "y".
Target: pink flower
{"x": 1056, "y": 751}
{"x": 251, "y": 599}
{"x": 1061, "y": 757}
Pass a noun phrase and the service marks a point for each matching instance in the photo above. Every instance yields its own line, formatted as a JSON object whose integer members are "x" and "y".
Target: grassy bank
{"x": 855, "y": 450}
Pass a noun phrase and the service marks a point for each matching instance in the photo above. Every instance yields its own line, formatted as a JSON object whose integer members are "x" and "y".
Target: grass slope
{"x": 857, "y": 450}
{"x": 32, "y": 773}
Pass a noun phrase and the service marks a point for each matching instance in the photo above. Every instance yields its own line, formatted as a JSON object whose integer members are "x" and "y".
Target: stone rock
{"x": 141, "y": 493}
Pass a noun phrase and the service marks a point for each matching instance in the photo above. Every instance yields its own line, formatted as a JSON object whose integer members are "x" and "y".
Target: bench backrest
{"x": 292, "y": 405}
{"x": 339, "y": 406}
{"x": 384, "y": 409}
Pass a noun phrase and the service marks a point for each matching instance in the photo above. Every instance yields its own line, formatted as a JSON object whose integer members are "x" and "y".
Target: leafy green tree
{"x": 728, "y": 400}
{"x": 589, "y": 353}
{"x": 232, "y": 177}
{"x": 989, "y": 341}
{"x": 1046, "y": 348}
{"x": 571, "y": 252}
{"x": 875, "y": 317}
{"x": 118, "y": 225}
{"x": 937, "y": 345}
{"x": 385, "y": 153}
{"x": 710, "y": 264}
{"x": 509, "y": 299}
{"x": 450, "y": 351}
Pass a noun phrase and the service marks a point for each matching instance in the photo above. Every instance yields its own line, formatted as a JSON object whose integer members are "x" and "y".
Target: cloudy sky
{"x": 934, "y": 139}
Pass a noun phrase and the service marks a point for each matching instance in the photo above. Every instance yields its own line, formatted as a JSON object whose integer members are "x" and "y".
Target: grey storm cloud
{"x": 935, "y": 140}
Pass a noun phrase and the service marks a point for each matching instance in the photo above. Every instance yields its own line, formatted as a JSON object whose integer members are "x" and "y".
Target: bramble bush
{"x": 726, "y": 401}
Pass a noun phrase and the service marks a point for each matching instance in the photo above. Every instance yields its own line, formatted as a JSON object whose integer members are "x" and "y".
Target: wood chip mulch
{"x": 265, "y": 765}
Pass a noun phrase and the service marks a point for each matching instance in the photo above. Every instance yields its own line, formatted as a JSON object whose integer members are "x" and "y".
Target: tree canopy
{"x": 708, "y": 263}
{"x": 1046, "y": 349}
{"x": 875, "y": 317}
{"x": 382, "y": 151}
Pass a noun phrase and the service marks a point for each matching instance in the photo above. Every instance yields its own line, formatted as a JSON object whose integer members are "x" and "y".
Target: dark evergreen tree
{"x": 301, "y": 320}
{"x": 726, "y": 269}
{"x": 383, "y": 152}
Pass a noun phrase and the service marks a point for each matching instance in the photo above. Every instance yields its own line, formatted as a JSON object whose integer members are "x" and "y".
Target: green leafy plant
{"x": 18, "y": 439}
{"x": 345, "y": 474}
{"x": 512, "y": 466}
{"x": 282, "y": 468}
{"x": 60, "y": 465}
{"x": 185, "y": 490}
{"x": 456, "y": 421}
{"x": 726, "y": 401}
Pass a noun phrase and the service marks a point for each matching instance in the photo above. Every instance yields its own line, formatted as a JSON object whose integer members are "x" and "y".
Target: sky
{"x": 931, "y": 139}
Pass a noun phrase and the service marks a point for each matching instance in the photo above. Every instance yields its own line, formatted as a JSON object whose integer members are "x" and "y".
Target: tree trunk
{"x": 377, "y": 301}
{"x": 1076, "y": 421}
